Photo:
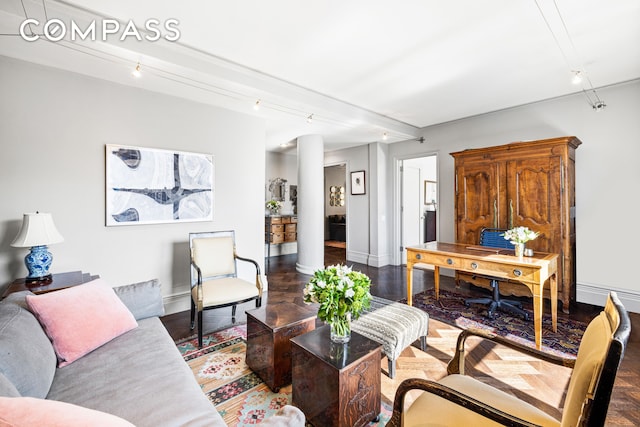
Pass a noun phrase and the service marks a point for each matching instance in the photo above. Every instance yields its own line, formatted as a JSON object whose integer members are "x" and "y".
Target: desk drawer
{"x": 431, "y": 258}
{"x": 496, "y": 269}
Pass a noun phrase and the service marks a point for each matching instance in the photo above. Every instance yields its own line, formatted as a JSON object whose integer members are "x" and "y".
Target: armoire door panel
{"x": 476, "y": 200}
{"x": 534, "y": 201}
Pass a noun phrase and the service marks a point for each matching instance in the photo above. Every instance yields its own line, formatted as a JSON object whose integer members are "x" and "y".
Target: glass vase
{"x": 341, "y": 328}
{"x": 519, "y": 248}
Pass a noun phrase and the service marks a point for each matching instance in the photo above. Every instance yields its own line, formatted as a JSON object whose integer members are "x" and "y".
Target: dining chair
{"x": 214, "y": 277}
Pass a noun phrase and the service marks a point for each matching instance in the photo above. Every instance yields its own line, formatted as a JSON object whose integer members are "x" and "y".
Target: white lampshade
{"x": 37, "y": 229}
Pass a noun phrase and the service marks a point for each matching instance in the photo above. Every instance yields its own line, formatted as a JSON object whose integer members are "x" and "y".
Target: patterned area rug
{"x": 450, "y": 309}
{"x": 238, "y": 394}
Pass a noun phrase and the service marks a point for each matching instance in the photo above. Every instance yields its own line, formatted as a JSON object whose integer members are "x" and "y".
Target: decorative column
{"x": 310, "y": 204}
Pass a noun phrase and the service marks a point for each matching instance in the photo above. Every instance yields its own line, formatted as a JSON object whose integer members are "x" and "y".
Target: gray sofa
{"x": 139, "y": 376}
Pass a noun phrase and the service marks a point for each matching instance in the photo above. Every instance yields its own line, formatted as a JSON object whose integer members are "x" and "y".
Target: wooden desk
{"x": 531, "y": 271}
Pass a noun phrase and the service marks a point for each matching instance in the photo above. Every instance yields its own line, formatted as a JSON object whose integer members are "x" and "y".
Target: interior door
{"x": 411, "y": 209}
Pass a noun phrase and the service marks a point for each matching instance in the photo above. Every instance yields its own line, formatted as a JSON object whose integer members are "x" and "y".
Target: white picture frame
{"x": 152, "y": 186}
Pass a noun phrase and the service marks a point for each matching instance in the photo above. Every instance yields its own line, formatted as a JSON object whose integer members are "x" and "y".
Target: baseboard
{"x": 379, "y": 261}
{"x": 359, "y": 257}
{"x": 596, "y": 295}
{"x": 177, "y": 302}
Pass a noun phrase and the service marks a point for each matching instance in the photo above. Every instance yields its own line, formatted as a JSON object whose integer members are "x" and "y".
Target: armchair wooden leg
{"x": 193, "y": 314}
{"x": 200, "y": 329}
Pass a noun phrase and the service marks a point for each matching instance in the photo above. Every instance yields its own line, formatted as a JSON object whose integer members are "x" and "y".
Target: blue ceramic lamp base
{"x": 38, "y": 261}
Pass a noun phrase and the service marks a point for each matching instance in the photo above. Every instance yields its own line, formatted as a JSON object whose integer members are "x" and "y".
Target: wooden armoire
{"x": 528, "y": 184}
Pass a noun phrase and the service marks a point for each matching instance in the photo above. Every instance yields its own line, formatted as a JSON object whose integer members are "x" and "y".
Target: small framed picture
{"x": 357, "y": 183}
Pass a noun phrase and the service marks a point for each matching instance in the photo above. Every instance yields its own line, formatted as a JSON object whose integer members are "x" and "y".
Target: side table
{"x": 269, "y": 330}
{"x": 58, "y": 281}
{"x": 336, "y": 384}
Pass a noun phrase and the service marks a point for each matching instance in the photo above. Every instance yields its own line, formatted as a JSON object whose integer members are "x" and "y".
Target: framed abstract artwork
{"x": 152, "y": 186}
{"x": 357, "y": 183}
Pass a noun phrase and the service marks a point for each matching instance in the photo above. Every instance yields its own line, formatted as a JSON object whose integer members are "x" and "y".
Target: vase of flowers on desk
{"x": 519, "y": 236}
{"x": 342, "y": 294}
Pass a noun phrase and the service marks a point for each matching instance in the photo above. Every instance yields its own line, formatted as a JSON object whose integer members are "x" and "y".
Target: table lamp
{"x": 37, "y": 231}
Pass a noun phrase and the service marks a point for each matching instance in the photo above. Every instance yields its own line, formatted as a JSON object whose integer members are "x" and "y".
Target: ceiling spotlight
{"x": 256, "y": 106}
{"x": 577, "y": 77}
{"x": 384, "y": 136}
{"x": 310, "y": 118}
{"x": 137, "y": 72}
{"x": 598, "y": 106}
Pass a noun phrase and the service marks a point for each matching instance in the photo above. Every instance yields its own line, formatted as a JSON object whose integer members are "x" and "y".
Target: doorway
{"x": 335, "y": 222}
{"x": 418, "y": 202}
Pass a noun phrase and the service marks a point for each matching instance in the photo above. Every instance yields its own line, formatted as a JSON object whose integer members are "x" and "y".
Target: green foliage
{"x": 339, "y": 290}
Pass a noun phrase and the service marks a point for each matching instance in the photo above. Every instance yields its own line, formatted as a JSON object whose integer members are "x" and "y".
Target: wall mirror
{"x": 278, "y": 187}
{"x": 430, "y": 193}
{"x": 336, "y": 195}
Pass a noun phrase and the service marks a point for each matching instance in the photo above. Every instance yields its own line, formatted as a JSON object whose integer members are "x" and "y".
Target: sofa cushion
{"x": 30, "y": 412}
{"x": 139, "y": 376}
{"x": 143, "y": 299}
{"x": 7, "y": 389}
{"x": 82, "y": 318}
{"x": 27, "y": 359}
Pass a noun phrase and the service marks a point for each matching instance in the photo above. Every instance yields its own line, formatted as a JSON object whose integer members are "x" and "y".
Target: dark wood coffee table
{"x": 269, "y": 330}
{"x": 336, "y": 384}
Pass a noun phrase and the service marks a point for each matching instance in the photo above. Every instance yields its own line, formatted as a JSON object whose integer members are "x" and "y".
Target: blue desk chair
{"x": 493, "y": 237}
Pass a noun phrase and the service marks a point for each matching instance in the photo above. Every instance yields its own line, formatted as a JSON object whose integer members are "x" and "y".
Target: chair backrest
{"x": 494, "y": 238}
{"x": 214, "y": 253}
{"x": 599, "y": 356}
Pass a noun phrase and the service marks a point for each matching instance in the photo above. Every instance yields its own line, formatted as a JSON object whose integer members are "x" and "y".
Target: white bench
{"x": 394, "y": 325}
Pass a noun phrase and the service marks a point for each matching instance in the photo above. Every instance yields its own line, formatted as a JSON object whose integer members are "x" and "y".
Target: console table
{"x": 531, "y": 271}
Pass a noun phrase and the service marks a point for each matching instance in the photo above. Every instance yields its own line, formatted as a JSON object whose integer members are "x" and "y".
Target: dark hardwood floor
{"x": 285, "y": 284}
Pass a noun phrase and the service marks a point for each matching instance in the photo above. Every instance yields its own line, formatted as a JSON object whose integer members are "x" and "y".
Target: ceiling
{"x": 361, "y": 68}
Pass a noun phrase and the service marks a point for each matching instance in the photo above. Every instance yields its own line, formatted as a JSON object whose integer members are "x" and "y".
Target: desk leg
{"x": 553, "y": 282}
{"x": 538, "y": 302}
{"x": 409, "y": 283}
{"x": 436, "y": 281}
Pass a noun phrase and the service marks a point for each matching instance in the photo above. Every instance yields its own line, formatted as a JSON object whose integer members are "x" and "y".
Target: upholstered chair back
{"x": 214, "y": 256}
{"x": 592, "y": 356}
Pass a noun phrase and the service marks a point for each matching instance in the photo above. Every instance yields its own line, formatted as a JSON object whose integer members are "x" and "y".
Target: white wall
{"x": 54, "y": 126}
{"x": 607, "y": 177}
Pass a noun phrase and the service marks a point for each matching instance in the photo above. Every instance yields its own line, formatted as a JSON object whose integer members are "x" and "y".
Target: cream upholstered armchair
{"x": 459, "y": 400}
{"x": 214, "y": 278}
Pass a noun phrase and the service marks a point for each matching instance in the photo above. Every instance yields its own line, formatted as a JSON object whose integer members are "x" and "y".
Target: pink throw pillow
{"x": 32, "y": 412}
{"x": 80, "y": 319}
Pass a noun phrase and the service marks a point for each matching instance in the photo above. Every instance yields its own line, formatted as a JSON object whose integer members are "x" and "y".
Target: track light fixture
{"x": 310, "y": 118}
{"x": 384, "y": 136}
{"x": 598, "y": 105}
{"x": 577, "y": 77}
{"x": 136, "y": 72}
{"x": 256, "y": 106}
{"x": 580, "y": 75}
